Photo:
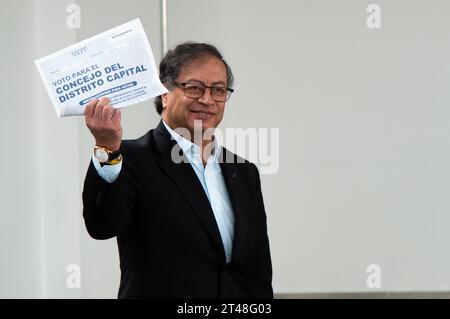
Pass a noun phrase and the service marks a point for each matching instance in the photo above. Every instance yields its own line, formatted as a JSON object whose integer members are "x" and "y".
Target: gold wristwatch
{"x": 107, "y": 157}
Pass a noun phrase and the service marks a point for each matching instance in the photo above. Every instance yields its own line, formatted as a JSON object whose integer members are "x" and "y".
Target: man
{"x": 190, "y": 228}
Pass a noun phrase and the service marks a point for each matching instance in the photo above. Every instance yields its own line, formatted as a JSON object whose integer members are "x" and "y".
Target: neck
{"x": 198, "y": 137}
{"x": 205, "y": 143}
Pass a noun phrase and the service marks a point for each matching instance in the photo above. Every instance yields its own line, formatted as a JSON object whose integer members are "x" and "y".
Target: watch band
{"x": 113, "y": 158}
{"x": 113, "y": 155}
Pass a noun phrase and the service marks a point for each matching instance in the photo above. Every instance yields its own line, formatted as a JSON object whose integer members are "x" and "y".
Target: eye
{"x": 193, "y": 88}
{"x": 219, "y": 91}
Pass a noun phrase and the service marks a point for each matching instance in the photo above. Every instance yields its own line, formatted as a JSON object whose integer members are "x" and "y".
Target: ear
{"x": 164, "y": 99}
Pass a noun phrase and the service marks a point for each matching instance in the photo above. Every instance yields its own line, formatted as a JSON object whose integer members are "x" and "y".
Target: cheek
{"x": 221, "y": 112}
{"x": 180, "y": 108}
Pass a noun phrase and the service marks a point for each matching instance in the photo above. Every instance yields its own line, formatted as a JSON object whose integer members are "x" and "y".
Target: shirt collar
{"x": 190, "y": 148}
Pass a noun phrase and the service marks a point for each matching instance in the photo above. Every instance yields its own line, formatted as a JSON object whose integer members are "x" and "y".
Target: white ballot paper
{"x": 118, "y": 63}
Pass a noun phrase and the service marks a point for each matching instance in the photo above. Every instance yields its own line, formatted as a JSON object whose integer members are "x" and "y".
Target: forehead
{"x": 207, "y": 69}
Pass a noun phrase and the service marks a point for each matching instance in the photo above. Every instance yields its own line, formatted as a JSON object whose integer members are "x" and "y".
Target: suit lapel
{"x": 185, "y": 179}
{"x": 235, "y": 190}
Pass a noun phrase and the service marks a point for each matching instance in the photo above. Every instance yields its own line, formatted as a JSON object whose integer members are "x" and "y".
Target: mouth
{"x": 203, "y": 115}
{"x": 203, "y": 112}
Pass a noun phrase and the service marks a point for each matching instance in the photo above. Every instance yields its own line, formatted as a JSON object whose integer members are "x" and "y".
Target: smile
{"x": 203, "y": 115}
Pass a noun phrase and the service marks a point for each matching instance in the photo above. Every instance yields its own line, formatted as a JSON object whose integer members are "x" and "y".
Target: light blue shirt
{"x": 211, "y": 178}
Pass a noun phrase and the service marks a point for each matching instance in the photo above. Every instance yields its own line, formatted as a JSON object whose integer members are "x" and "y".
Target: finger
{"x": 104, "y": 101}
{"x": 117, "y": 117}
{"x": 108, "y": 112}
{"x": 98, "y": 112}
{"x": 89, "y": 109}
{"x": 100, "y": 106}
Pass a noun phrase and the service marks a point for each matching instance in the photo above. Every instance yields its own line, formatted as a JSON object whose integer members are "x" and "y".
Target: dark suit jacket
{"x": 169, "y": 242}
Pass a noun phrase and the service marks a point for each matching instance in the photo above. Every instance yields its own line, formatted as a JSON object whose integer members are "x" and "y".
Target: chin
{"x": 205, "y": 124}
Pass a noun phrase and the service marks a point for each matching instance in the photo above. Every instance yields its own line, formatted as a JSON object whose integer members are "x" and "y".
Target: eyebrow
{"x": 198, "y": 81}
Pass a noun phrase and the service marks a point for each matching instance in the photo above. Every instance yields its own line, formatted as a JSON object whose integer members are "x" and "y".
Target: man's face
{"x": 182, "y": 111}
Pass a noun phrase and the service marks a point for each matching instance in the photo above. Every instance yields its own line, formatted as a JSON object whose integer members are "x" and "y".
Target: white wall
{"x": 364, "y": 140}
{"x": 364, "y": 135}
{"x": 20, "y": 258}
{"x": 40, "y": 208}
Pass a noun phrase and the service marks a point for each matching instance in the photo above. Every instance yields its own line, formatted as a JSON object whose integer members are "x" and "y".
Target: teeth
{"x": 201, "y": 113}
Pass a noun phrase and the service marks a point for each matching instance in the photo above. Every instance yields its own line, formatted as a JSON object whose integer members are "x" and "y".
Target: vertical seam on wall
{"x": 41, "y": 280}
{"x": 164, "y": 36}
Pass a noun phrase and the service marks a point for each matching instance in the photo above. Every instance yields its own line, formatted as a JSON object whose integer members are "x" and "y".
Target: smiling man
{"x": 190, "y": 229}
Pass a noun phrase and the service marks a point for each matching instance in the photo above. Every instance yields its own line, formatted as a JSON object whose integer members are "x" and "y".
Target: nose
{"x": 207, "y": 98}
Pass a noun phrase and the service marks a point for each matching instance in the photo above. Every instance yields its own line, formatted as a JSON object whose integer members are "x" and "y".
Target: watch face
{"x": 101, "y": 155}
